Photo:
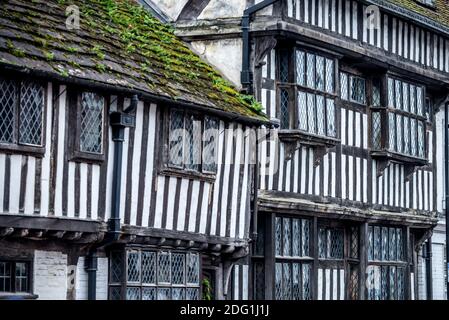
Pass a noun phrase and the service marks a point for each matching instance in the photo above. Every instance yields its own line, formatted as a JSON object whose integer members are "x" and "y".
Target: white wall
{"x": 102, "y": 279}
{"x": 50, "y": 275}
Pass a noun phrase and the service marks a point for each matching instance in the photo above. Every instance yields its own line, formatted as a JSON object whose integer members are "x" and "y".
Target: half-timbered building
{"x": 124, "y": 158}
{"x": 347, "y": 182}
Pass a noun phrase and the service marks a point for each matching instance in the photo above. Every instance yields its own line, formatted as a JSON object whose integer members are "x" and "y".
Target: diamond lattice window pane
{"x": 354, "y": 242}
{"x": 377, "y": 243}
{"x": 176, "y": 138}
{"x": 421, "y": 139}
{"x": 296, "y": 237}
{"x": 406, "y": 96}
{"x": 164, "y": 294}
{"x": 391, "y": 100}
{"x": 149, "y": 294}
{"x": 384, "y": 283}
{"x": 392, "y": 131}
{"x": 320, "y": 74}
{"x": 300, "y": 67}
{"x": 393, "y": 245}
{"x": 344, "y": 86}
{"x": 412, "y": 99}
{"x": 259, "y": 279}
{"x": 370, "y": 243}
{"x": 192, "y": 294}
{"x": 278, "y": 282}
{"x": 192, "y": 143}
{"x": 287, "y": 237}
{"x": 193, "y": 268}
{"x": 311, "y": 113}
{"x": 178, "y": 268}
{"x": 331, "y": 131}
{"x": 132, "y": 293}
{"x": 210, "y": 144}
{"x": 178, "y": 293}
{"x": 419, "y": 100}
{"x": 336, "y": 244}
{"x": 310, "y": 70}
{"x": 414, "y": 140}
{"x": 31, "y": 108}
{"x": 8, "y": 103}
{"x": 399, "y": 133}
{"x": 401, "y": 283}
{"x": 116, "y": 267}
{"x": 278, "y": 236}
{"x": 398, "y": 93}
{"x": 384, "y": 254}
{"x": 148, "y": 267}
{"x": 302, "y": 110}
{"x": 400, "y": 244}
{"x": 286, "y": 281}
{"x": 115, "y": 293}
{"x": 284, "y": 66}
{"x": 296, "y": 281}
{"x": 357, "y": 89}
{"x": 91, "y": 131}
{"x": 320, "y": 114}
{"x": 376, "y": 130}
{"x": 306, "y": 281}
{"x": 353, "y": 282}
{"x": 330, "y": 75}
{"x": 376, "y": 93}
{"x": 285, "y": 112}
{"x": 133, "y": 266}
{"x": 164, "y": 267}
{"x": 322, "y": 243}
{"x": 407, "y": 147}
{"x": 305, "y": 238}
{"x": 393, "y": 293}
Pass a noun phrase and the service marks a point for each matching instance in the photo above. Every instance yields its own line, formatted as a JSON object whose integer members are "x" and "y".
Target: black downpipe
{"x": 118, "y": 121}
{"x": 246, "y": 75}
{"x": 429, "y": 280}
{"x": 446, "y": 184}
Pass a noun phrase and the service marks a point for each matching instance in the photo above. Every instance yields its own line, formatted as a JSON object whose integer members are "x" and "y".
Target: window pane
{"x": 21, "y": 277}
{"x": 302, "y": 111}
{"x": 407, "y": 135}
{"x": 300, "y": 67}
{"x": 132, "y": 293}
{"x": 399, "y": 132}
{"x": 91, "y": 134}
{"x": 310, "y": 70}
{"x": 305, "y": 238}
{"x": 115, "y": 293}
{"x": 354, "y": 242}
{"x": 370, "y": 243}
{"x": 344, "y": 86}
{"x": 31, "y": 108}
{"x": 193, "y": 268}
{"x": 133, "y": 267}
{"x": 148, "y": 267}
{"x": 8, "y": 102}
{"x": 336, "y": 244}
{"x": 278, "y": 294}
{"x": 376, "y": 93}
{"x": 377, "y": 243}
{"x": 296, "y": 237}
{"x": 385, "y": 251}
{"x": 192, "y": 143}
{"x": 287, "y": 240}
{"x": 148, "y": 293}
{"x": 311, "y": 113}
{"x": 376, "y": 130}
{"x": 421, "y": 139}
{"x": 398, "y": 94}
{"x": 116, "y": 267}
{"x": 192, "y": 294}
{"x": 393, "y": 245}
{"x": 393, "y": 295}
{"x": 412, "y": 99}
{"x": 164, "y": 267}
{"x": 357, "y": 89}
{"x": 320, "y": 113}
{"x": 296, "y": 280}
{"x": 320, "y": 73}
{"x": 5, "y": 277}
{"x": 391, "y": 101}
{"x": 284, "y": 66}
{"x": 285, "y": 114}
{"x": 392, "y": 131}
{"x": 306, "y": 281}
{"x": 419, "y": 100}
{"x": 210, "y": 144}
{"x": 322, "y": 243}
{"x": 330, "y": 72}
{"x": 176, "y": 137}
{"x": 178, "y": 268}
{"x": 400, "y": 244}
{"x": 286, "y": 281}
{"x": 163, "y": 294}
{"x": 278, "y": 236}
{"x": 406, "y": 96}
{"x": 331, "y": 132}
{"x": 178, "y": 293}
{"x": 414, "y": 141}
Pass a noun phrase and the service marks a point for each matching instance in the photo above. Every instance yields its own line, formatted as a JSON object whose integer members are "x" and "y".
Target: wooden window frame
{"x": 13, "y": 263}
{"x": 16, "y": 146}
{"x": 181, "y": 171}
{"x": 74, "y": 104}
{"x": 292, "y": 87}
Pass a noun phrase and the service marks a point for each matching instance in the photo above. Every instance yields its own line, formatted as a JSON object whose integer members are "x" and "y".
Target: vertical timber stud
{"x": 410, "y": 259}
{"x": 315, "y": 259}
{"x": 269, "y": 257}
{"x": 363, "y": 260}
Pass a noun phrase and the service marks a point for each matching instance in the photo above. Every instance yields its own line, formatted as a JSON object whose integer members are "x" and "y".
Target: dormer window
{"x": 306, "y": 89}
{"x": 426, "y": 3}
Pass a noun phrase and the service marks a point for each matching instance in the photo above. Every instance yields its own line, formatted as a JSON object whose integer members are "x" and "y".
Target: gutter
{"x": 118, "y": 121}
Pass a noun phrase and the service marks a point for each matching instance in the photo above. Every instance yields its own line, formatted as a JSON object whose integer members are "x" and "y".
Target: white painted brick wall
{"x": 50, "y": 275}
{"x": 102, "y": 279}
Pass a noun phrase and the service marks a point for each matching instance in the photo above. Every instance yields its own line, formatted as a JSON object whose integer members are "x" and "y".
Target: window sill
{"x": 22, "y": 149}
{"x": 406, "y": 159}
{"x": 17, "y": 296}
{"x": 307, "y": 138}
{"x": 78, "y": 156}
{"x": 189, "y": 174}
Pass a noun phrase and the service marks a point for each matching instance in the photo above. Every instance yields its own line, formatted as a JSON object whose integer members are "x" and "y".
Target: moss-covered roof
{"x": 119, "y": 43}
{"x": 440, "y": 13}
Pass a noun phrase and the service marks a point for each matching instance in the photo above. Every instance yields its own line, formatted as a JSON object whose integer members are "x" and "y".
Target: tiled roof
{"x": 119, "y": 43}
{"x": 438, "y": 13}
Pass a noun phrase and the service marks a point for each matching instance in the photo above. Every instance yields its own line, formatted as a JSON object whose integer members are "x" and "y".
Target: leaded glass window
{"x": 406, "y": 118}
{"x": 311, "y": 91}
{"x": 293, "y": 262}
{"x": 192, "y": 141}
{"x": 155, "y": 275}
{"x": 352, "y": 88}
{"x": 21, "y": 112}
{"x": 91, "y": 123}
{"x": 331, "y": 243}
{"x": 386, "y": 263}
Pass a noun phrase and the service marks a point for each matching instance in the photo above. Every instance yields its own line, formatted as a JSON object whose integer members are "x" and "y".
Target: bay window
{"x": 306, "y": 89}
